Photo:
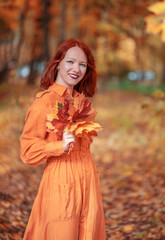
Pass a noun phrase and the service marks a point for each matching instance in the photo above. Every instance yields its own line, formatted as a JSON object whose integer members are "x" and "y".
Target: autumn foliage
{"x": 34, "y": 30}
{"x": 129, "y": 151}
{"x": 156, "y": 20}
{"x": 72, "y": 116}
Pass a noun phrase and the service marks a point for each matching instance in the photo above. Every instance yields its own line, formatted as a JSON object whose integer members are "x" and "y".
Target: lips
{"x": 73, "y": 76}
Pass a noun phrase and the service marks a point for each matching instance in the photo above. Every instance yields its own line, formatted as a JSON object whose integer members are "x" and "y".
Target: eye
{"x": 70, "y": 61}
{"x": 83, "y": 65}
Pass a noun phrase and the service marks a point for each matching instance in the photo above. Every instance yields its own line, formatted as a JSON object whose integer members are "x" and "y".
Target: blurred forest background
{"x": 30, "y": 32}
{"x": 127, "y": 39}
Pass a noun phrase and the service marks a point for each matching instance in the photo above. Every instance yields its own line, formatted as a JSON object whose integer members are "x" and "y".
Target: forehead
{"x": 76, "y": 53}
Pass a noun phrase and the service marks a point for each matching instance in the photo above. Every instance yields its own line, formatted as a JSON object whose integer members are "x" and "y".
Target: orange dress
{"x": 68, "y": 205}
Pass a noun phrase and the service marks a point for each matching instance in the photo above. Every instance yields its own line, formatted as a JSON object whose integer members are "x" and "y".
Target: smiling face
{"x": 72, "y": 68}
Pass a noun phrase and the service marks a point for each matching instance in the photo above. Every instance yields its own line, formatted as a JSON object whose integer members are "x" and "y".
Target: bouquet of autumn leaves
{"x": 72, "y": 116}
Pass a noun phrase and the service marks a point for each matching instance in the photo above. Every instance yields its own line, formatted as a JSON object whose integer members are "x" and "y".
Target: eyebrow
{"x": 75, "y": 60}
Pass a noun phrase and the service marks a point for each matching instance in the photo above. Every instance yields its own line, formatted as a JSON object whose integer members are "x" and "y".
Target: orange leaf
{"x": 127, "y": 228}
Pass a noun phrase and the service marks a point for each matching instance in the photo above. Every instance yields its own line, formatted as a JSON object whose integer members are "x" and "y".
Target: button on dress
{"x": 68, "y": 205}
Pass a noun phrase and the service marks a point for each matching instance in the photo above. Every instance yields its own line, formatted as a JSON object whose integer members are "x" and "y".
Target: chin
{"x": 73, "y": 83}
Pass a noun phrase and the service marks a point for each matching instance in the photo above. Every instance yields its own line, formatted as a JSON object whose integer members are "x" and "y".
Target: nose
{"x": 76, "y": 67}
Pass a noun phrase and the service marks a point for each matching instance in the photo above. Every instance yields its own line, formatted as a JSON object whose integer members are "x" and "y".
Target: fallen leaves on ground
{"x": 129, "y": 155}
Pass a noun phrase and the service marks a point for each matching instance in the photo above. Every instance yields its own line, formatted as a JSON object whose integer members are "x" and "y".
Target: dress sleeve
{"x": 34, "y": 148}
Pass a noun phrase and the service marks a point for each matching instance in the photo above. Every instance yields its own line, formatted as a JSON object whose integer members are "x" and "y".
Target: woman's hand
{"x": 68, "y": 138}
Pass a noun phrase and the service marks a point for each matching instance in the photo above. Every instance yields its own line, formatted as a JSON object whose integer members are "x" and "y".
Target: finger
{"x": 70, "y": 136}
{"x": 71, "y": 140}
{"x": 68, "y": 133}
{"x": 65, "y": 133}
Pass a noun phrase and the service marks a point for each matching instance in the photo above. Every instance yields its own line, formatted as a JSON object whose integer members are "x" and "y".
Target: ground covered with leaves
{"x": 129, "y": 154}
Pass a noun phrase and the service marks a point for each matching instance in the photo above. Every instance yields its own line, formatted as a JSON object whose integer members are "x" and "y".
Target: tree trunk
{"x": 11, "y": 48}
{"x": 63, "y": 21}
{"x": 22, "y": 17}
{"x": 76, "y": 14}
{"x": 31, "y": 77}
{"x": 45, "y": 52}
{"x": 45, "y": 29}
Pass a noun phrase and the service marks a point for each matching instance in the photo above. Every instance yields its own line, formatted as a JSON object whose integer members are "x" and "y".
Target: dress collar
{"x": 60, "y": 89}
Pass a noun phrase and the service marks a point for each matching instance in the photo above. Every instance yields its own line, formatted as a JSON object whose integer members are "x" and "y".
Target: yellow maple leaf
{"x": 153, "y": 24}
{"x": 73, "y": 127}
{"x": 50, "y": 126}
{"x": 156, "y": 23}
{"x": 49, "y": 117}
{"x": 53, "y": 114}
{"x": 84, "y": 126}
{"x": 157, "y": 8}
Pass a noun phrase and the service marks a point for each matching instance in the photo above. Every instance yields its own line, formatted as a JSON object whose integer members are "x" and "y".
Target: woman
{"x": 68, "y": 205}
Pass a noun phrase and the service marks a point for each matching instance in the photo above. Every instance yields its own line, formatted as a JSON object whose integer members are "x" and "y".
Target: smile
{"x": 73, "y": 76}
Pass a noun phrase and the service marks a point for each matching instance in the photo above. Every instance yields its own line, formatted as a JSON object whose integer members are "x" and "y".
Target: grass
{"x": 127, "y": 85}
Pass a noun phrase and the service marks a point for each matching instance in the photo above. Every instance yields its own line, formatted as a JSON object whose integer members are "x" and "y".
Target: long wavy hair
{"x": 88, "y": 84}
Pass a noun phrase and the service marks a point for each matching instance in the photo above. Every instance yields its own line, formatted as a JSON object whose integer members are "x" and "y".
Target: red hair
{"x": 88, "y": 84}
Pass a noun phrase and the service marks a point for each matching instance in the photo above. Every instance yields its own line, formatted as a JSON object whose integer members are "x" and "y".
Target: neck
{"x": 70, "y": 89}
